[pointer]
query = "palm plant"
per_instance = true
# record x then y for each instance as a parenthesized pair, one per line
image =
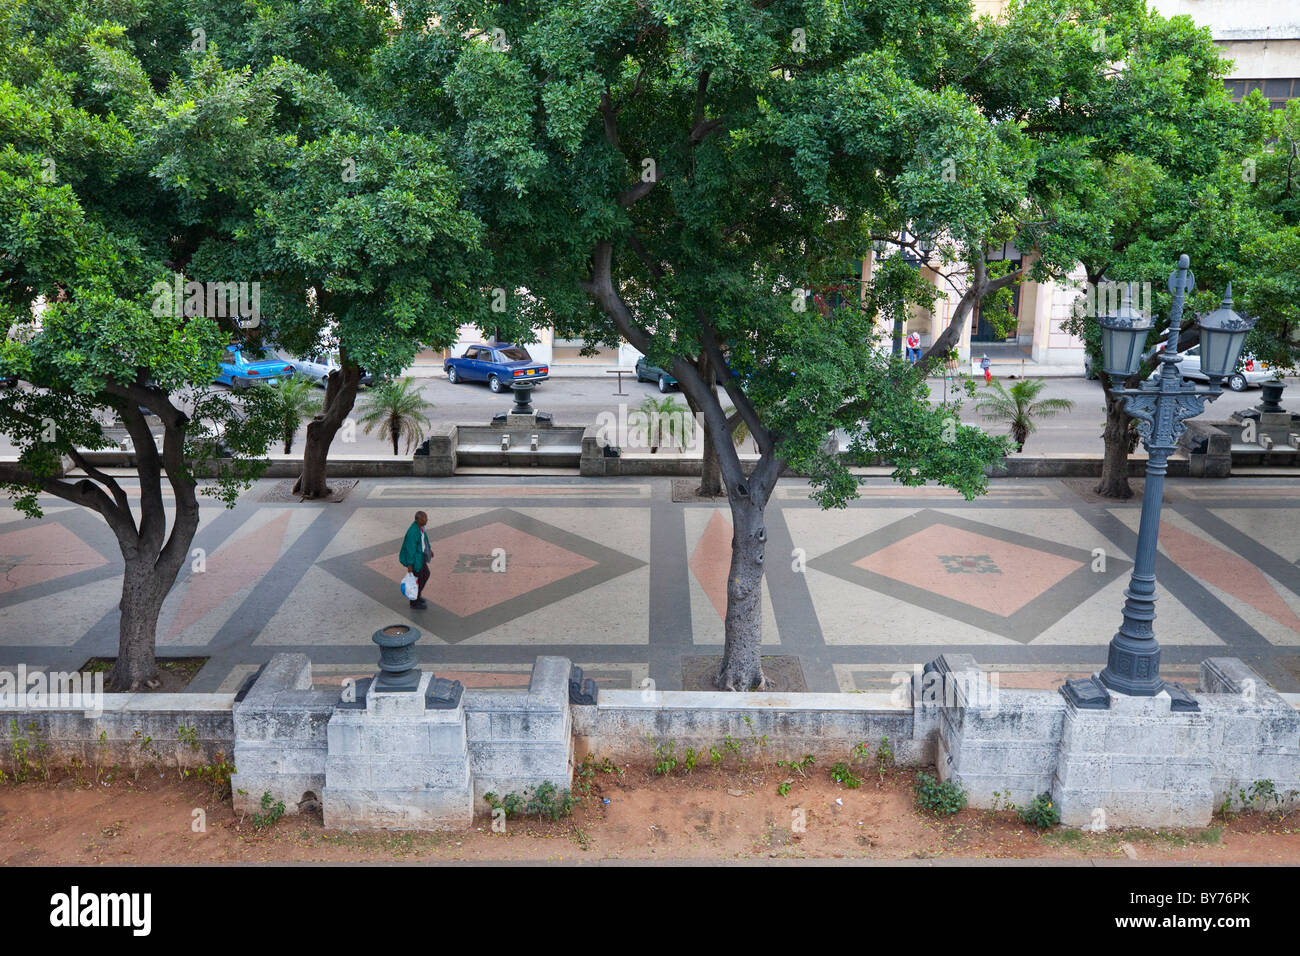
(397, 409)
(298, 401)
(1016, 407)
(667, 419)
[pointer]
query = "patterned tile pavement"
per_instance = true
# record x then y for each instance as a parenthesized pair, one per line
(615, 575)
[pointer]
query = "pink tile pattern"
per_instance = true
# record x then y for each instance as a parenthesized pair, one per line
(461, 578)
(978, 570)
(41, 553)
(1227, 571)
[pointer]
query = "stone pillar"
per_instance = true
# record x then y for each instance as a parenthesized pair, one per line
(521, 741)
(399, 760)
(996, 746)
(280, 737)
(1136, 764)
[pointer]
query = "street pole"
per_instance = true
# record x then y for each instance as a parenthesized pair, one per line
(1161, 408)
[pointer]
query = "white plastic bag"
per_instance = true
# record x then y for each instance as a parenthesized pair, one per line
(410, 587)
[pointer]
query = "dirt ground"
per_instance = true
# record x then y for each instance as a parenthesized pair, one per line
(709, 814)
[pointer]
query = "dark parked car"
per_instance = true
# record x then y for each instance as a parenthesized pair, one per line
(645, 372)
(499, 365)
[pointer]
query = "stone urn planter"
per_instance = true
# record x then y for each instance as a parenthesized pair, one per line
(1272, 390)
(397, 660)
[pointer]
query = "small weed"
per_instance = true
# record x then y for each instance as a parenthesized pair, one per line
(690, 760)
(216, 773)
(798, 766)
(843, 774)
(512, 803)
(272, 810)
(188, 734)
(545, 800)
(665, 757)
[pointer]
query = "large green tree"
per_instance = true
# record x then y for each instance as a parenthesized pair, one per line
(87, 238)
(353, 226)
(679, 175)
(1167, 164)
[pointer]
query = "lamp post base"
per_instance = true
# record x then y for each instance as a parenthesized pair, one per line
(1090, 693)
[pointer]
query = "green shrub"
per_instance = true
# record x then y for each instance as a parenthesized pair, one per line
(1041, 813)
(549, 801)
(942, 798)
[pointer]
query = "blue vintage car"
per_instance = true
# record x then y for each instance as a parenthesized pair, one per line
(242, 366)
(499, 365)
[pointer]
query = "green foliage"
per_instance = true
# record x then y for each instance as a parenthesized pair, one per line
(298, 400)
(1041, 812)
(843, 774)
(512, 804)
(798, 766)
(941, 798)
(1262, 796)
(667, 420)
(28, 752)
(397, 409)
(217, 774)
(664, 758)
(272, 810)
(1016, 406)
(690, 760)
(884, 757)
(545, 800)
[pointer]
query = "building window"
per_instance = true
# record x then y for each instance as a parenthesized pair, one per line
(1276, 91)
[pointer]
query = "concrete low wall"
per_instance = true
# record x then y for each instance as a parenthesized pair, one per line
(1139, 762)
(133, 731)
(625, 725)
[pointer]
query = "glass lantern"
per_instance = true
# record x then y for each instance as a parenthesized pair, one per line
(1223, 333)
(1123, 335)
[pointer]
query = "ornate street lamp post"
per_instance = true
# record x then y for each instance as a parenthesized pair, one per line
(1161, 406)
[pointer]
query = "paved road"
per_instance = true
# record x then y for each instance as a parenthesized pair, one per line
(579, 401)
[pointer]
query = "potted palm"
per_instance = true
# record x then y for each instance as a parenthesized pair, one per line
(397, 409)
(298, 402)
(1019, 406)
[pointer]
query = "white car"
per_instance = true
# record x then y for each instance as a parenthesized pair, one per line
(318, 365)
(1250, 371)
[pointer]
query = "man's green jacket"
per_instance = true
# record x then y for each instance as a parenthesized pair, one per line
(412, 553)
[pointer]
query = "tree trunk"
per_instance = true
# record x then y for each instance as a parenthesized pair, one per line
(340, 396)
(1118, 439)
(710, 469)
(742, 667)
(152, 556)
(143, 593)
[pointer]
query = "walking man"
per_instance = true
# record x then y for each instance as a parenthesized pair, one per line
(913, 348)
(988, 369)
(415, 555)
